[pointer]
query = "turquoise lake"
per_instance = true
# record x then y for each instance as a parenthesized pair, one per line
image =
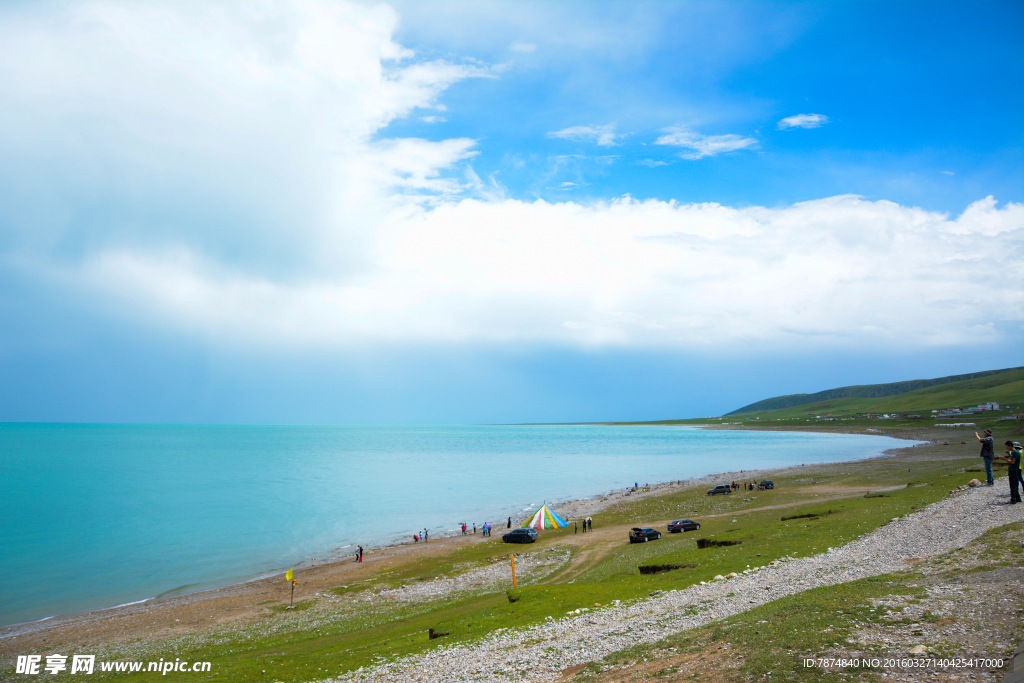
(101, 515)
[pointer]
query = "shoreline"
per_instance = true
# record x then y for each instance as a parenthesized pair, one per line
(336, 570)
(576, 486)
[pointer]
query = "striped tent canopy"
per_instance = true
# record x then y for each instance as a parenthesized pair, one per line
(545, 518)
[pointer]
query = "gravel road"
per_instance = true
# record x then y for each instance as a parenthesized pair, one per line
(540, 653)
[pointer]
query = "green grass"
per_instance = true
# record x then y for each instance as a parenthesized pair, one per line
(308, 643)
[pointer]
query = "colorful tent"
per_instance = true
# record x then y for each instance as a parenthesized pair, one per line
(545, 518)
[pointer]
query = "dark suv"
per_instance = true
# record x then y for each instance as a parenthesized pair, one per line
(643, 535)
(766, 484)
(721, 488)
(683, 525)
(520, 536)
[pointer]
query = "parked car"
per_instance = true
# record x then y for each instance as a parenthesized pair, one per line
(766, 484)
(637, 535)
(683, 525)
(721, 488)
(520, 536)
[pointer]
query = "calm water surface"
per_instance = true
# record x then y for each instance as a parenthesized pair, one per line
(100, 515)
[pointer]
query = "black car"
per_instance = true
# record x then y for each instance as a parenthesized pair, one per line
(721, 488)
(766, 484)
(683, 525)
(520, 536)
(643, 535)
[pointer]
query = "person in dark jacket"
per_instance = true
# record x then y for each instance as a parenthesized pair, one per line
(1013, 458)
(987, 453)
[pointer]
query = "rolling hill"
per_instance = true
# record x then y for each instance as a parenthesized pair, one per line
(915, 396)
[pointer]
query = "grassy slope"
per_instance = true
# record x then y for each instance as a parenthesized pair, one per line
(1004, 388)
(862, 391)
(296, 647)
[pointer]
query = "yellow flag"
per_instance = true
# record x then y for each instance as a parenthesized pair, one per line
(288, 575)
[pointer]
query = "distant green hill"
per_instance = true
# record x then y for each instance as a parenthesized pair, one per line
(1003, 386)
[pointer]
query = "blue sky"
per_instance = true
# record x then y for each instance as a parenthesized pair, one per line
(500, 212)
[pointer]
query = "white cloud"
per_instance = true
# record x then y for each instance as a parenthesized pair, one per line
(271, 213)
(947, 172)
(264, 114)
(803, 121)
(653, 163)
(703, 145)
(836, 271)
(520, 46)
(604, 136)
(433, 119)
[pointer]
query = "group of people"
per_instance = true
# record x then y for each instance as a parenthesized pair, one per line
(1012, 458)
(485, 528)
(746, 486)
(359, 553)
(421, 536)
(587, 523)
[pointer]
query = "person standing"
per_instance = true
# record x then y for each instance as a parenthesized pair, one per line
(509, 522)
(590, 523)
(1020, 476)
(574, 527)
(987, 453)
(359, 553)
(474, 528)
(1013, 471)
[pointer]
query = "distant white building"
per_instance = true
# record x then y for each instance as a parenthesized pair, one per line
(988, 406)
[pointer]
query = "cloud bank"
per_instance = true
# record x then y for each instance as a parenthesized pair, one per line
(225, 173)
(840, 270)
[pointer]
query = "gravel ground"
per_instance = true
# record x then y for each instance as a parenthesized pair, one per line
(540, 653)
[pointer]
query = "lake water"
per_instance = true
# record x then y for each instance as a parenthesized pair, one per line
(100, 515)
